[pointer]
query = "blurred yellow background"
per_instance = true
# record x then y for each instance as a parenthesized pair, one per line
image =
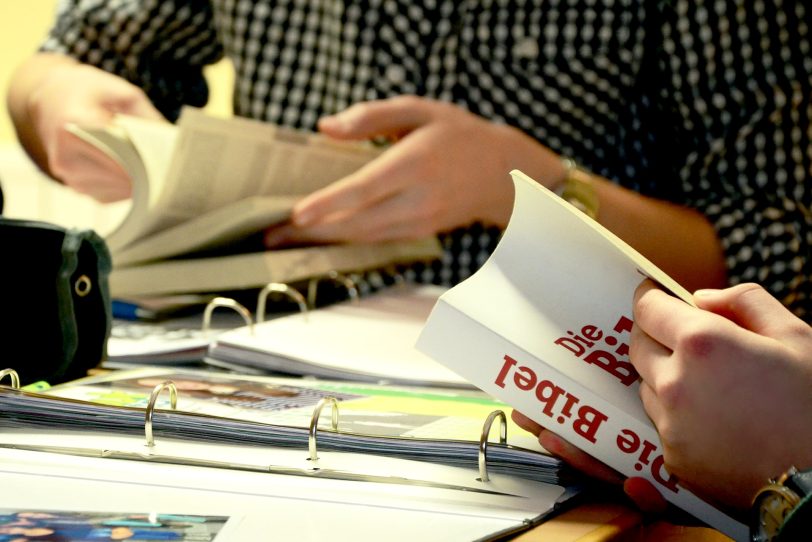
(22, 27)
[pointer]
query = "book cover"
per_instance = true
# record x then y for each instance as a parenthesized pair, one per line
(544, 326)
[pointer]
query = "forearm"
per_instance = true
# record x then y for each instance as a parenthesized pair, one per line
(24, 84)
(679, 240)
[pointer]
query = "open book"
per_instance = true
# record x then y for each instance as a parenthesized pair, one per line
(208, 182)
(544, 326)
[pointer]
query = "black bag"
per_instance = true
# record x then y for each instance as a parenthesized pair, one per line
(55, 311)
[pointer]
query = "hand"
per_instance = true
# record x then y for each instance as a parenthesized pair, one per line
(84, 95)
(727, 385)
(447, 168)
(639, 490)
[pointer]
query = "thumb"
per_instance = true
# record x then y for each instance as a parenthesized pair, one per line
(748, 305)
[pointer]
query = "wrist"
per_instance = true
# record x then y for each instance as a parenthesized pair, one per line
(782, 509)
(577, 188)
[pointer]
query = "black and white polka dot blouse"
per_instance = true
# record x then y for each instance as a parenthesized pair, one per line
(702, 102)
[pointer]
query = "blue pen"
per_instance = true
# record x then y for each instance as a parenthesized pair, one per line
(125, 310)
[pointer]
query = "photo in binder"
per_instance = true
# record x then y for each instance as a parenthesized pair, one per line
(544, 326)
(205, 189)
(66, 525)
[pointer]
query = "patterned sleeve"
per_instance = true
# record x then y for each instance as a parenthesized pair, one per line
(739, 80)
(158, 45)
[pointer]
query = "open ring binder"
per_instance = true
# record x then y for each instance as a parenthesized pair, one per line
(279, 287)
(228, 303)
(335, 276)
(483, 441)
(156, 391)
(314, 424)
(13, 376)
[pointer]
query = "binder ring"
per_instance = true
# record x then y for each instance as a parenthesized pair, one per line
(335, 276)
(156, 391)
(229, 303)
(483, 441)
(82, 286)
(314, 424)
(13, 376)
(282, 288)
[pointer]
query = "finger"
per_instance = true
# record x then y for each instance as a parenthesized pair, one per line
(101, 189)
(88, 170)
(279, 235)
(660, 315)
(390, 117)
(750, 306)
(577, 458)
(646, 355)
(382, 178)
(142, 107)
(651, 403)
(644, 495)
(525, 423)
(380, 223)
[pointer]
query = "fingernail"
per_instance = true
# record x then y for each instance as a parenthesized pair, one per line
(706, 292)
(302, 218)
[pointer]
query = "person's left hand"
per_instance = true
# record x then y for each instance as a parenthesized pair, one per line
(572, 455)
(642, 492)
(447, 168)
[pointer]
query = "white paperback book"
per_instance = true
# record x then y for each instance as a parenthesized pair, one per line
(544, 326)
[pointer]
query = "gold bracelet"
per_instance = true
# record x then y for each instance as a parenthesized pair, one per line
(578, 189)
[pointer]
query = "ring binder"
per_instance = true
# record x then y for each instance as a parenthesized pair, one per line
(314, 424)
(279, 287)
(156, 391)
(83, 286)
(228, 303)
(13, 376)
(335, 276)
(483, 441)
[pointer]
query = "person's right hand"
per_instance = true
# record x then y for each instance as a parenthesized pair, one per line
(727, 384)
(84, 95)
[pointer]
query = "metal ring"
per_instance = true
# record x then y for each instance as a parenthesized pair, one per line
(229, 303)
(279, 287)
(314, 424)
(156, 391)
(83, 286)
(13, 376)
(335, 276)
(483, 441)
